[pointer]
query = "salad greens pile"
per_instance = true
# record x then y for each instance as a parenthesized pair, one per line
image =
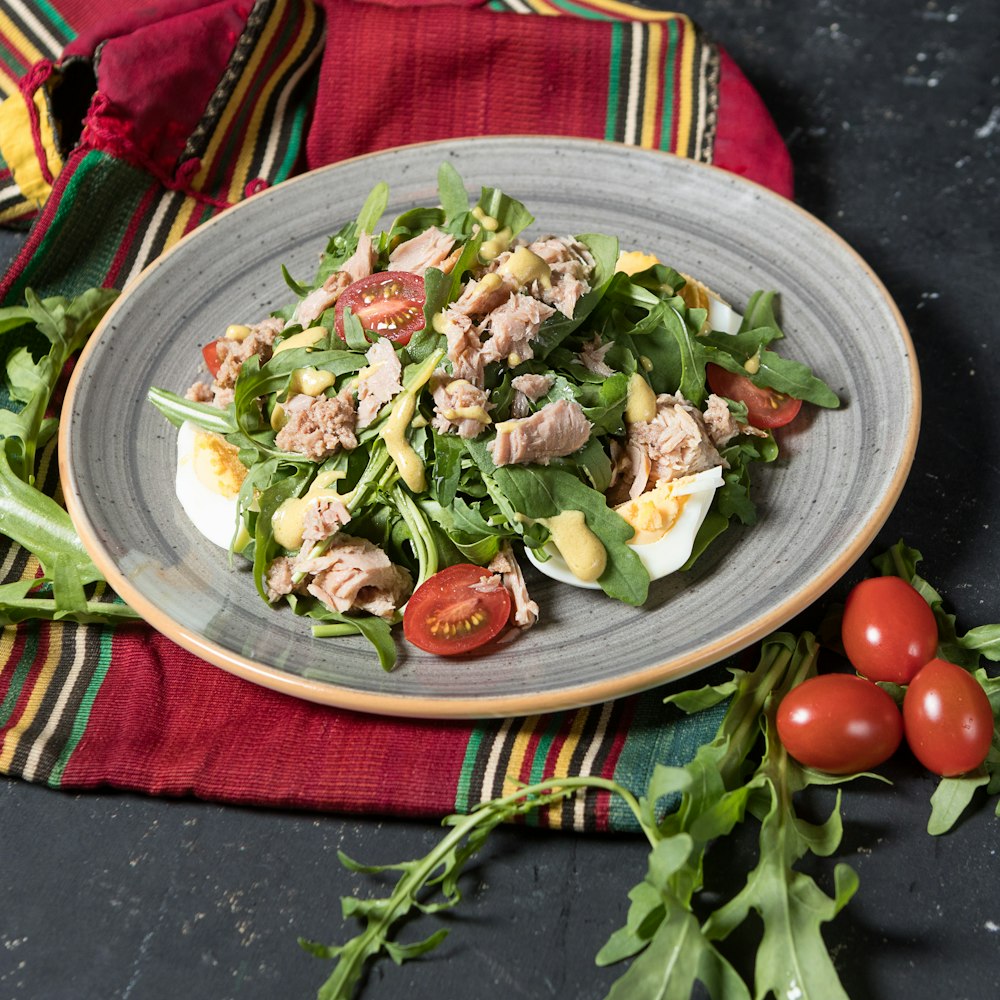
(674, 933)
(470, 506)
(39, 338)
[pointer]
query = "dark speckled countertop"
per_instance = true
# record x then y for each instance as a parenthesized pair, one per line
(891, 109)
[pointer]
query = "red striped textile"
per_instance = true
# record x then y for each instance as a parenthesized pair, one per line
(253, 91)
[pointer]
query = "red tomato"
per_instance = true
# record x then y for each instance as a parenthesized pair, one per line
(839, 723)
(449, 616)
(210, 352)
(888, 630)
(389, 303)
(765, 407)
(948, 719)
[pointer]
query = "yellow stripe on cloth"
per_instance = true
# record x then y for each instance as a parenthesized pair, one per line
(25, 49)
(564, 760)
(241, 173)
(685, 93)
(654, 88)
(17, 147)
(517, 753)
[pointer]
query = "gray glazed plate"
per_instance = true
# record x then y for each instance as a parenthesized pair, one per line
(820, 505)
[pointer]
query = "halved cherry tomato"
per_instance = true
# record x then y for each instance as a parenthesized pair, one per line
(766, 408)
(948, 719)
(888, 630)
(389, 303)
(448, 615)
(210, 352)
(839, 723)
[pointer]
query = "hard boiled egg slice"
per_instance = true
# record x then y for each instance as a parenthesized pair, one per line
(666, 521)
(208, 481)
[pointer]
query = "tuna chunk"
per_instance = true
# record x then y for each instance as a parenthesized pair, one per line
(459, 405)
(379, 382)
(676, 441)
(465, 350)
(355, 575)
(430, 249)
(259, 341)
(571, 266)
(324, 518)
(592, 357)
(504, 563)
(557, 429)
(320, 299)
(278, 579)
(513, 326)
(528, 388)
(722, 425)
(483, 296)
(362, 262)
(319, 427)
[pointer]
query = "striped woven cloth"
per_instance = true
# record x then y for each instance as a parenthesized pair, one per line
(112, 152)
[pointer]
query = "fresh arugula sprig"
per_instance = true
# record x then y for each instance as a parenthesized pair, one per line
(27, 516)
(670, 946)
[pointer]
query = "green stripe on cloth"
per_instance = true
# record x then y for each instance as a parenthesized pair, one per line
(74, 255)
(55, 19)
(462, 792)
(650, 742)
(24, 664)
(667, 76)
(82, 716)
(614, 73)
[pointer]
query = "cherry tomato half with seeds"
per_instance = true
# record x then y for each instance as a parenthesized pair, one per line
(948, 719)
(451, 613)
(888, 630)
(839, 723)
(210, 352)
(389, 303)
(766, 408)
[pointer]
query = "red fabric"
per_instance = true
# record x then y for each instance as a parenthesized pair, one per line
(746, 139)
(220, 738)
(147, 105)
(508, 79)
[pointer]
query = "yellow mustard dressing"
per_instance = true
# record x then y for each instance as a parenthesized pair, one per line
(305, 338)
(640, 401)
(309, 381)
(580, 548)
(288, 521)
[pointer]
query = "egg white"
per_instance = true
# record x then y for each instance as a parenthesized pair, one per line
(211, 510)
(664, 556)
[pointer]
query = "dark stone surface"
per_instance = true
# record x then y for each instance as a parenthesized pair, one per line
(892, 113)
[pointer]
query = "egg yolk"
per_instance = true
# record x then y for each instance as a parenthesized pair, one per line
(217, 464)
(652, 514)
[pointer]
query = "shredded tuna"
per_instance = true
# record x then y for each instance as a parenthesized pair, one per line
(259, 341)
(722, 425)
(200, 392)
(513, 326)
(379, 382)
(483, 296)
(459, 405)
(558, 428)
(504, 563)
(465, 350)
(528, 388)
(319, 428)
(362, 262)
(430, 249)
(324, 518)
(641, 467)
(592, 357)
(355, 575)
(488, 584)
(278, 579)
(676, 441)
(571, 266)
(320, 299)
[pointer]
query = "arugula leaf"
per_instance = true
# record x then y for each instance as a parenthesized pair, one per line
(451, 192)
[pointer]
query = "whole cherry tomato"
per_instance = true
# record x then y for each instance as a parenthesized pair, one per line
(839, 723)
(888, 630)
(947, 718)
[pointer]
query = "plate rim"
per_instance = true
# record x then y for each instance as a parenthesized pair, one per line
(442, 707)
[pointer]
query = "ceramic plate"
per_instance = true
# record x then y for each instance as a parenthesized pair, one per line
(820, 504)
